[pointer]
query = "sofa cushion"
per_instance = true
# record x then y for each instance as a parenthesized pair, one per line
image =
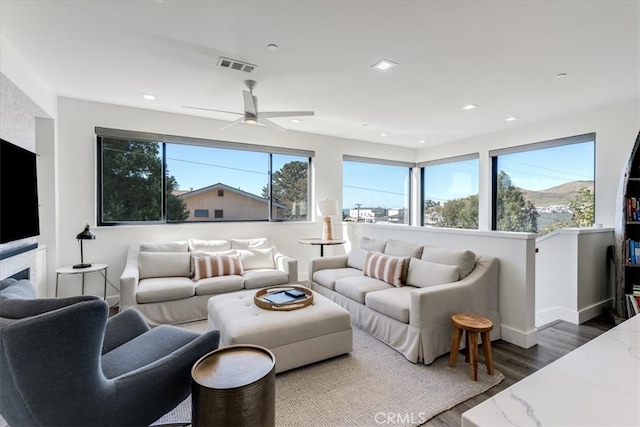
(259, 243)
(328, 277)
(356, 288)
(425, 273)
(372, 244)
(219, 285)
(181, 246)
(259, 278)
(464, 260)
(164, 264)
(355, 258)
(384, 267)
(217, 265)
(159, 289)
(403, 249)
(393, 302)
(196, 245)
(256, 258)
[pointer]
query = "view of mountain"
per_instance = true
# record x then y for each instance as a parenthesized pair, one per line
(558, 195)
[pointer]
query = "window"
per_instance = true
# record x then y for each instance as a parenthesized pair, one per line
(151, 178)
(544, 186)
(450, 192)
(376, 190)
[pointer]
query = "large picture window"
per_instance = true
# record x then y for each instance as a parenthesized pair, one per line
(149, 178)
(450, 192)
(375, 190)
(544, 186)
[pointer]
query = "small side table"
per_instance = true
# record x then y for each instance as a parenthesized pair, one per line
(234, 385)
(472, 325)
(95, 268)
(321, 242)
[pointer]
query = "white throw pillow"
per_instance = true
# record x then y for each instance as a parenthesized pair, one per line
(355, 259)
(259, 243)
(196, 245)
(164, 264)
(424, 273)
(464, 260)
(372, 244)
(256, 258)
(401, 248)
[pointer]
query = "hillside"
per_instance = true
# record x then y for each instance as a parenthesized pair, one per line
(556, 195)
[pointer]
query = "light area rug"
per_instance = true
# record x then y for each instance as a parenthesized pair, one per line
(373, 385)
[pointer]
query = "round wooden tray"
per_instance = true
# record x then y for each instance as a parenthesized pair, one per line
(259, 300)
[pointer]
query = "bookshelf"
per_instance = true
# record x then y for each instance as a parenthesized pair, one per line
(630, 242)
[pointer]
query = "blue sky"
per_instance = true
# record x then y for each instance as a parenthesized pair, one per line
(373, 185)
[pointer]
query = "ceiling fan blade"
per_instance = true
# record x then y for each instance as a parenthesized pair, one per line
(250, 103)
(235, 122)
(267, 114)
(271, 124)
(210, 109)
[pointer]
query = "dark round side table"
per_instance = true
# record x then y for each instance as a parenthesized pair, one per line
(234, 385)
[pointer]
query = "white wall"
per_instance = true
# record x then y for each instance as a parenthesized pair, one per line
(77, 183)
(573, 275)
(616, 129)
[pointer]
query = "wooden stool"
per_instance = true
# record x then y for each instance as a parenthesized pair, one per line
(473, 325)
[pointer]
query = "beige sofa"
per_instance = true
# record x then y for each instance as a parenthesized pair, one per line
(171, 282)
(431, 284)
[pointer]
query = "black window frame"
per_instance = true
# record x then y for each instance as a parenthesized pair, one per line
(163, 139)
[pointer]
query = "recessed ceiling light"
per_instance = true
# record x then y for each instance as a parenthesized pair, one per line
(383, 65)
(383, 134)
(148, 97)
(561, 75)
(512, 118)
(272, 47)
(296, 121)
(422, 141)
(469, 107)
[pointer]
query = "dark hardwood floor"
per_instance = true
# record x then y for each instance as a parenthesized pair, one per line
(554, 341)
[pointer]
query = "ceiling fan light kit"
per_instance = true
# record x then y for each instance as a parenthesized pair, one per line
(251, 115)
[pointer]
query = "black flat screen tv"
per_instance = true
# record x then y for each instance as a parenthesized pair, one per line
(19, 217)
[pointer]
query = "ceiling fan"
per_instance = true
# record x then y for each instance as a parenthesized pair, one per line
(251, 115)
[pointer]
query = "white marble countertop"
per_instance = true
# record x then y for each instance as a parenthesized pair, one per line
(597, 384)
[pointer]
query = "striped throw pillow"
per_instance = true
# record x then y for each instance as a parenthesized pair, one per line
(384, 267)
(216, 265)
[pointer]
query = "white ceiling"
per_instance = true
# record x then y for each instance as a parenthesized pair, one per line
(501, 55)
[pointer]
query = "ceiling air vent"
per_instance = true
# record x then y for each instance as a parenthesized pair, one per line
(234, 64)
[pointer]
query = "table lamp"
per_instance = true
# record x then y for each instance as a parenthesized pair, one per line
(85, 234)
(328, 208)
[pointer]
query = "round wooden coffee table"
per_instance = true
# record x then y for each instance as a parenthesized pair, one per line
(472, 325)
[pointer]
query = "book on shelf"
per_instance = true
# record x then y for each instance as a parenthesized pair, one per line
(633, 304)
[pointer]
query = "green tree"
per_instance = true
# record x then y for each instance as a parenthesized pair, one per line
(289, 188)
(582, 206)
(460, 213)
(132, 183)
(514, 211)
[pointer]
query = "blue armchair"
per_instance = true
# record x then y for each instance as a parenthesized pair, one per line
(63, 362)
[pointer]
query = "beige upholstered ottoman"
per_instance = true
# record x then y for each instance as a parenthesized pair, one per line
(297, 337)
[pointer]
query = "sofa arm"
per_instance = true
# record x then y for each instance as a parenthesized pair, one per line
(477, 293)
(324, 263)
(129, 279)
(288, 265)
